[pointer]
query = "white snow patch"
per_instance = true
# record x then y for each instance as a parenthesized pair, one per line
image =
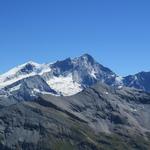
(106, 93)
(93, 73)
(64, 85)
(15, 88)
(135, 77)
(133, 110)
(36, 90)
(119, 79)
(112, 75)
(43, 92)
(120, 87)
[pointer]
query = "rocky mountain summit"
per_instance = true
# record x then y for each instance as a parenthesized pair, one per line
(66, 77)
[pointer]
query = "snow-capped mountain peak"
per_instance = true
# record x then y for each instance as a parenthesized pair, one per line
(71, 76)
(29, 66)
(68, 76)
(22, 71)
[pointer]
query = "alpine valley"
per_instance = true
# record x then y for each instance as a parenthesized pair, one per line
(74, 104)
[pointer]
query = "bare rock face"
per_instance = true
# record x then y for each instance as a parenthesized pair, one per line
(140, 81)
(97, 118)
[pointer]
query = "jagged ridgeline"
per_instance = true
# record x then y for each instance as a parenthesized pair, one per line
(71, 76)
(75, 104)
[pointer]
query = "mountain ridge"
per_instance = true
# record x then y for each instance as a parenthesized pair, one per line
(77, 73)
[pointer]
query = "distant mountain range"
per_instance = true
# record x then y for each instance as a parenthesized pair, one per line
(70, 76)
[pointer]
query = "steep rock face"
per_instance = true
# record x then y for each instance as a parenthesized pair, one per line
(77, 74)
(98, 118)
(106, 108)
(88, 71)
(140, 81)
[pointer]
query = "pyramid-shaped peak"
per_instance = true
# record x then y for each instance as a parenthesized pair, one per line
(87, 56)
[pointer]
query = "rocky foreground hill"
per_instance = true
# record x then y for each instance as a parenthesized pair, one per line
(98, 118)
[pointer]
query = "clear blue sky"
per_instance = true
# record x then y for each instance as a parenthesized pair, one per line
(115, 32)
